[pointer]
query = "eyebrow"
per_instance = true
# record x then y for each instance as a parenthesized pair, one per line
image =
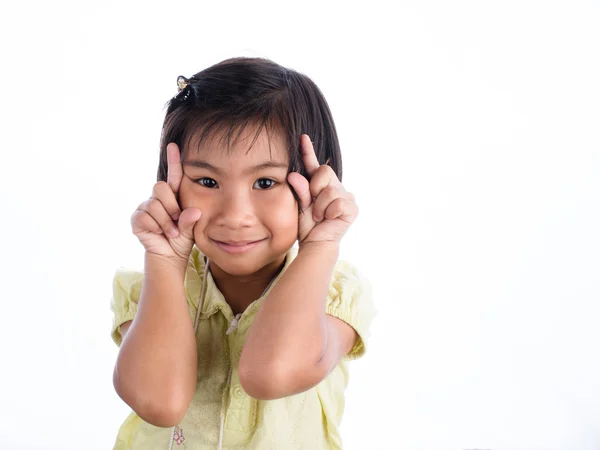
(265, 165)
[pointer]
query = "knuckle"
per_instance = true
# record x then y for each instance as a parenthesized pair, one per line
(142, 206)
(141, 221)
(137, 218)
(330, 191)
(160, 188)
(151, 225)
(134, 217)
(155, 205)
(147, 204)
(154, 208)
(326, 170)
(167, 224)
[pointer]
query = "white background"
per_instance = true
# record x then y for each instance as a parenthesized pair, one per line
(470, 138)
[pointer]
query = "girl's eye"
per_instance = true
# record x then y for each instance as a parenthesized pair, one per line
(200, 181)
(209, 183)
(267, 186)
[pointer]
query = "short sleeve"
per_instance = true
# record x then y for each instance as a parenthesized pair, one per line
(350, 299)
(127, 285)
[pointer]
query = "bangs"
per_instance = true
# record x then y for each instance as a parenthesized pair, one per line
(240, 97)
(227, 134)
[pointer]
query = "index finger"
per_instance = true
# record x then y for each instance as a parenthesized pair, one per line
(308, 155)
(174, 169)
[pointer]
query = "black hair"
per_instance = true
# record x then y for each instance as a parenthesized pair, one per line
(242, 91)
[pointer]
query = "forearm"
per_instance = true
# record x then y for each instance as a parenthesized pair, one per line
(156, 368)
(289, 331)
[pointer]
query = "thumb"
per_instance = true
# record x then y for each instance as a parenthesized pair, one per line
(187, 221)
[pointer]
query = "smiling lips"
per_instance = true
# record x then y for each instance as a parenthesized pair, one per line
(237, 246)
(237, 243)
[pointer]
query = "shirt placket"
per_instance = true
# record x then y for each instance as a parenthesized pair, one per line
(241, 412)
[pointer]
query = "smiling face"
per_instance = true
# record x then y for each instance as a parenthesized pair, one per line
(243, 196)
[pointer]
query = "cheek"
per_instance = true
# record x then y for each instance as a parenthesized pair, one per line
(189, 194)
(283, 211)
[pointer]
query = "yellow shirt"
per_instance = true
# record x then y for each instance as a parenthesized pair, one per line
(309, 420)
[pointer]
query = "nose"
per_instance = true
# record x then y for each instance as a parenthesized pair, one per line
(236, 211)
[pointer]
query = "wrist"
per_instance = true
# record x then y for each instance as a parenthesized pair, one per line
(320, 247)
(170, 265)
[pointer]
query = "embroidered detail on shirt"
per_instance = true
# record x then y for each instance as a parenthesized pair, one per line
(178, 437)
(234, 323)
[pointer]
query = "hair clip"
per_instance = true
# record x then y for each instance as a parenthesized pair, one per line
(182, 83)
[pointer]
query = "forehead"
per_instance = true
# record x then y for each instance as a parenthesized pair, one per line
(242, 149)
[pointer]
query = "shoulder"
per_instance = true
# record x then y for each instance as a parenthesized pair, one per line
(349, 287)
(347, 275)
(127, 282)
(125, 279)
(127, 287)
(350, 299)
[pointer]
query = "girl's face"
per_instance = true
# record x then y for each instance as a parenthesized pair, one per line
(243, 195)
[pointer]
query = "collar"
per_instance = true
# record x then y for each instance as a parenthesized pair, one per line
(214, 300)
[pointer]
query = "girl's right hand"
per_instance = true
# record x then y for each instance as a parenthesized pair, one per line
(159, 224)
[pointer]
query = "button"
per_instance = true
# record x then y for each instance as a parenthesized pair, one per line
(238, 392)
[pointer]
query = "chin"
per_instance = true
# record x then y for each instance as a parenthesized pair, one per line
(244, 264)
(239, 269)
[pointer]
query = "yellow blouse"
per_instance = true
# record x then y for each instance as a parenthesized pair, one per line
(309, 420)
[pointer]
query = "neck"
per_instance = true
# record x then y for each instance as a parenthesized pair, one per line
(239, 292)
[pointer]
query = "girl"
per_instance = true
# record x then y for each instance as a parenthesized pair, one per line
(232, 337)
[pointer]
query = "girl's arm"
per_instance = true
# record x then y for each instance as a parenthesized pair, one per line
(123, 328)
(156, 368)
(293, 344)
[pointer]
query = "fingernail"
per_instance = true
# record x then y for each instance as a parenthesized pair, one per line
(175, 216)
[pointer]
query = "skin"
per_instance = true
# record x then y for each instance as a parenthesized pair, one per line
(292, 344)
(199, 205)
(238, 205)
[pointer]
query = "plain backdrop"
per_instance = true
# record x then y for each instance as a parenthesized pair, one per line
(470, 138)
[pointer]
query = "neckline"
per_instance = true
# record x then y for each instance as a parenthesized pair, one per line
(213, 297)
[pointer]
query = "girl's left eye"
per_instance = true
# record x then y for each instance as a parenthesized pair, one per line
(273, 182)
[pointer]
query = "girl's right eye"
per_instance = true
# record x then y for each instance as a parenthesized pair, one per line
(200, 182)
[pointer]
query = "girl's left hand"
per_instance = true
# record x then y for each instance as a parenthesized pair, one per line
(327, 208)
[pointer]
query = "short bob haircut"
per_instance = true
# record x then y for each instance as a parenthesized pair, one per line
(225, 98)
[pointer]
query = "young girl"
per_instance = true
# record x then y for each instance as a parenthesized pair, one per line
(233, 337)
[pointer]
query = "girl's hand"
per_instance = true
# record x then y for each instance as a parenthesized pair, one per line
(160, 225)
(328, 209)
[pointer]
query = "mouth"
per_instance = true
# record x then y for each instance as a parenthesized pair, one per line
(238, 243)
(237, 247)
